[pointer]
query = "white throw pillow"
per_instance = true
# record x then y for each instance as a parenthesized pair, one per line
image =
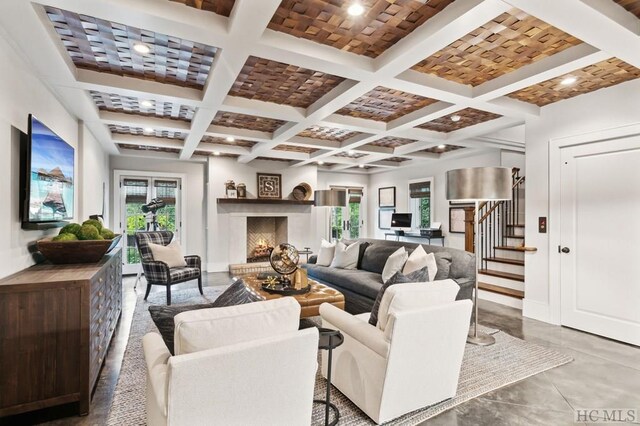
(346, 257)
(394, 264)
(170, 254)
(418, 260)
(325, 256)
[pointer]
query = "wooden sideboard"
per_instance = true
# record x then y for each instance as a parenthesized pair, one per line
(56, 323)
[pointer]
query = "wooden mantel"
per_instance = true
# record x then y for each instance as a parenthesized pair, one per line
(264, 201)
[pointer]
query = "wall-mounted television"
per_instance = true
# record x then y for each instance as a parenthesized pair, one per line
(49, 180)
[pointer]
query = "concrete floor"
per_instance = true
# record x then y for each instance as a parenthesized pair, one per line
(605, 374)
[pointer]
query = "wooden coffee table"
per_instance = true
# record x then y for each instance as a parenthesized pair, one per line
(310, 302)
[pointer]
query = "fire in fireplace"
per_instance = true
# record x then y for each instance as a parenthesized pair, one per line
(263, 233)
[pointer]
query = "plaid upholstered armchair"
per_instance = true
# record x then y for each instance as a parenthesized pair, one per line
(159, 273)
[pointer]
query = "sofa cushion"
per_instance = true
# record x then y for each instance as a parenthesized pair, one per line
(443, 260)
(327, 250)
(346, 257)
(163, 316)
(419, 276)
(361, 282)
(363, 248)
(420, 259)
(214, 328)
(394, 264)
(375, 257)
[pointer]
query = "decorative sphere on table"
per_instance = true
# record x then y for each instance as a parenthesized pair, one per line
(284, 260)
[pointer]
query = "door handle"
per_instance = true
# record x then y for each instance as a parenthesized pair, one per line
(564, 249)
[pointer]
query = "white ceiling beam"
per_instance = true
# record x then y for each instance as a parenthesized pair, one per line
(247, 23)
(313, 143)
(224, 149)
(147, 141)
(602, 24)
(132, 120)
(262, 109)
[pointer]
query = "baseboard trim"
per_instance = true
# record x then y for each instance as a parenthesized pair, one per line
(536, 310)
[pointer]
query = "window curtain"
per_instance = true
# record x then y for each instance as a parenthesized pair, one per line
(135, 190)
(420, 189)
(166, 190)
(355, 195)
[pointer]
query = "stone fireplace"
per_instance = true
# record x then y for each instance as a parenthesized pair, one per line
(263, 233)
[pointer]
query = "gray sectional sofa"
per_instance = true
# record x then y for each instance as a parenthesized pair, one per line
(360, 286)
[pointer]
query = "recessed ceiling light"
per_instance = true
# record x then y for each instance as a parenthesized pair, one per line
(455, 118)
(141, 48)
(568, 80)
(361, 166)
(148, 130)
(230, 139)
(355, 9)
(146, 104)
(351, 153)
(442, 146)
(216, 153)
(320, 163)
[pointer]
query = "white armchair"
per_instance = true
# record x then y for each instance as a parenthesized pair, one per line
(233, 366)
(411, 359)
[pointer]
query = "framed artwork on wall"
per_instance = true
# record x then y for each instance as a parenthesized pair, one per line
(269, 185)
(456, 220)
(387, 197)
(384, 218)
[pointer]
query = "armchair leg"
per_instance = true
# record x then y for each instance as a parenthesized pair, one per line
(168, 295)
(200, 284)
(146, 293)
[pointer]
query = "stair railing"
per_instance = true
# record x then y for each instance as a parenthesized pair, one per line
(497, 219)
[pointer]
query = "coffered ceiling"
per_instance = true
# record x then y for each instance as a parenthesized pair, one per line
(304, 82)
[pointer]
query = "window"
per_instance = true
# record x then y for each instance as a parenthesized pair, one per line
(420, 203)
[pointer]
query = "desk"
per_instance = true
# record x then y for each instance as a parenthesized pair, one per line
(410, 235)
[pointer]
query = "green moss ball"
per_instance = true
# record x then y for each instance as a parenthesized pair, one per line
(72, 228)
(94, 222)
(107, 234)
(88, 232)
(65, 237)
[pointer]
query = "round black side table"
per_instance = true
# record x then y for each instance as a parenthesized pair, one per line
(329, 340)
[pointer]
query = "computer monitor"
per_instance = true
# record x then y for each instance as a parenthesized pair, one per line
(400, 222)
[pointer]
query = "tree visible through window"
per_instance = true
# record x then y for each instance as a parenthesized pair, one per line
(420, 203)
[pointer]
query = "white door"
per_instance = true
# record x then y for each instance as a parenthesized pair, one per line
(600, 238)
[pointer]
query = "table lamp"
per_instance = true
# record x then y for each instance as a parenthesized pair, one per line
(330, 198)
(479, 184)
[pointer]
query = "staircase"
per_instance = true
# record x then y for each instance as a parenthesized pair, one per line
(502, 249)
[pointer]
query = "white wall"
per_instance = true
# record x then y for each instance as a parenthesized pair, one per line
(193, 194)
(23, 93)
(440, 206)
(604, 109)
(224, 169)
(93, 168)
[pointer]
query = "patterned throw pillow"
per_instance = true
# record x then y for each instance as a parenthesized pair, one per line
(421, 275)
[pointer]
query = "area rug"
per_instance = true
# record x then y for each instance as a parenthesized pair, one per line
(483, 369)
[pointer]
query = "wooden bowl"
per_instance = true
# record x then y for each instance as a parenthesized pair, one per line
(88, 251)
(302, 192)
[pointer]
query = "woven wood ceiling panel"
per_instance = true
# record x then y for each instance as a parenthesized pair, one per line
(273, 159)
(222, 141)
(104, 46)
(447, 148)
(468, 117)
(272, 81)
(597, 76)
(328, 133)
(294, 148)
(508, 42)
(383, 24)
(249, 122)
(211, 154)
(148, 148)
(632, 6)
(397, 159)
(131, 105)
(139, 131)
(352, 155)
(221, 7)
(382, 104)
(392, 142)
